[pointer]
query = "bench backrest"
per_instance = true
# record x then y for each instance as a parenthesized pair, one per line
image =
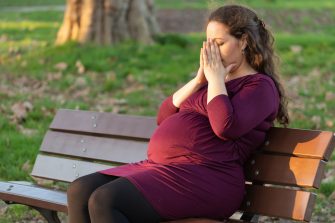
(81, 142)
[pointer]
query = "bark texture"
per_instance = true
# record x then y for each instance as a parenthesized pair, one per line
(108, 21)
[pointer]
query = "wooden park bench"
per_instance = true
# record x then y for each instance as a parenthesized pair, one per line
(279, 176)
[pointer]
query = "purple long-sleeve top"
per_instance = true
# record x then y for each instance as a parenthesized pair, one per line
(196, 155)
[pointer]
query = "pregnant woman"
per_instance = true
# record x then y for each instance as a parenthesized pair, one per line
(206, 131)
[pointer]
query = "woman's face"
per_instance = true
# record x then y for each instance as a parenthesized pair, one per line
(230, 47)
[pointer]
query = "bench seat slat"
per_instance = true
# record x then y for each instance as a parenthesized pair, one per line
(279, 202)
(34, 196)
(284, 170)
(104, 123)
(299, 142)
(93, 147)
(64, 169)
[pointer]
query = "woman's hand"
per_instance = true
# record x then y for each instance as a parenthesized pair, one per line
(213, 66)
(200, 78)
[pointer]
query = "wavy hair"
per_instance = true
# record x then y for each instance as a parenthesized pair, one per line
(259, 52)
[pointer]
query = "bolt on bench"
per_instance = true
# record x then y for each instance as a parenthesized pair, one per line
(278, 177)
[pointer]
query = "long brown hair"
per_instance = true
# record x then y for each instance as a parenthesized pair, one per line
(259, 52)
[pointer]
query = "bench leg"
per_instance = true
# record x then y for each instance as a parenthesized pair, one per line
(249, 217)
(50, 216)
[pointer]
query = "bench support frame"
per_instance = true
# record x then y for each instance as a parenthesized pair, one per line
(249, 217)
(49, 215)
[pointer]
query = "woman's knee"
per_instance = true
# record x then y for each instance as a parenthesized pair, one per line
(81, 189)
(76, 188)
(99, 201)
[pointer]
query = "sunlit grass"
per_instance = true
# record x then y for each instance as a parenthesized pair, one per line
(22, 3)
(27, 25)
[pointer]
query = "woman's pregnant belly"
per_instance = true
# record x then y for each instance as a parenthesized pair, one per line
(176, 138)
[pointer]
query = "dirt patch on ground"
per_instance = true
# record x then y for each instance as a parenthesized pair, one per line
(182, 21)
(289, 20)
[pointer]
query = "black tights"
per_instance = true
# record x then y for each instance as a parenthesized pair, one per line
(100, 198)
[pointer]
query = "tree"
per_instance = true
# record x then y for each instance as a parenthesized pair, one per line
(108, 21)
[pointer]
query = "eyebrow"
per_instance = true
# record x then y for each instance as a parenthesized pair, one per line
(219, 39)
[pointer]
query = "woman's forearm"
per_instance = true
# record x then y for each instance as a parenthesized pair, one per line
(215, 88)
(183, 93)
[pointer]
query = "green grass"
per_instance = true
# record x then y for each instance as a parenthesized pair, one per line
(327, 188)
(132, 78)
(265, 4)
(11, 3)
(199, 4)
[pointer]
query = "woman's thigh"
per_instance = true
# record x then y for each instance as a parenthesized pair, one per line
(123, 196)
(82, 188)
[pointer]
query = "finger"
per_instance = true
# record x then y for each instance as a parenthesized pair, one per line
(213, 51)
(204, 54)
(201, 55)
(208, 52)
(217, 52)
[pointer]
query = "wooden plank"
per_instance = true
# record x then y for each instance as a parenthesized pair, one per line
(331, 148)
(33, 196)
(285, 170)
(279, 202)
(64, 169)
(104, 123)
(299, 142)
(93, 147)
(199, 220)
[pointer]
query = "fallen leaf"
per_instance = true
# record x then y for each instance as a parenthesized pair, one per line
(54, 76)
(80, 82)
(27, 132)
(3, 208)
(332, 196)
(26, 166)
(44, 182)
(111, 76)
(296, 48)
(321, 105)
(24, 63)
(130, 78)
(4, 38)
(80, 67)
(81, 93)
(329, 123)
(41, 61)
(317, 121)
(330, 96)
(315, 72)
(120, 101)
(61, 66)
(20, 111)
(28, 105)
(294, 81)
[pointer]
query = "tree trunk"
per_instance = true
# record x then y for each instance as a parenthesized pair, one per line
(108, 21)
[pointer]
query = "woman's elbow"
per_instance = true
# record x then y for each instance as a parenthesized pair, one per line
(159, 120)
(226, 133)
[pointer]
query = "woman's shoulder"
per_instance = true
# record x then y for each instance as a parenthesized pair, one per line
(260, 81)
(260, 78)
